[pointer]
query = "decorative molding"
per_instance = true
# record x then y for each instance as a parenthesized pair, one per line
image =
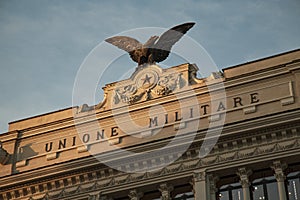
(280, 144)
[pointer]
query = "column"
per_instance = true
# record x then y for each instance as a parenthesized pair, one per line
(244, 174)
(200, 186)
(212, 186)
(135, 195)
(165, 190)
(279, 168)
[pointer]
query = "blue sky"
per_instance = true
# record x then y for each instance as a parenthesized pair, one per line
(43, 43)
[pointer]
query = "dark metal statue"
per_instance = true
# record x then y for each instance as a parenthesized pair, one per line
(156, 49)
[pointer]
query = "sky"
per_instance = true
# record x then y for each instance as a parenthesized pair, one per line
(43, 43)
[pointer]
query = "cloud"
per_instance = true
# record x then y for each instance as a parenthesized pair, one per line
(43, 43)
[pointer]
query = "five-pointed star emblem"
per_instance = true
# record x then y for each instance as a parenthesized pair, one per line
(146, 79)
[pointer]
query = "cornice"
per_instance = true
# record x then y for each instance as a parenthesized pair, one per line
(263, 75)
(214, 161)
(199, 89)
(179, 170)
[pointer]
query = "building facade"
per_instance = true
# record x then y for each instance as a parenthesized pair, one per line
(166, 134)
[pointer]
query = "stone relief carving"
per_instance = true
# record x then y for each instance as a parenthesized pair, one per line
(146, 88)
(149, 82)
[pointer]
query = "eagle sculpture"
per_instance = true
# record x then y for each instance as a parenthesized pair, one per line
(156, 49)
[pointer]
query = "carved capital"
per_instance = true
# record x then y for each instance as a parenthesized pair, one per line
(199, 176)
(279, 168)
(165, 190)
(134, 195)
(244, 174)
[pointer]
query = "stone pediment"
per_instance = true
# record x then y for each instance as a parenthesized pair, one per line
(146, 83)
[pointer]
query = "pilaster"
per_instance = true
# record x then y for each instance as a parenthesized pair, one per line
(201, 186)
(212, 186)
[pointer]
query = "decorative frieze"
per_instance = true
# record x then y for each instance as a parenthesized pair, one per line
(230, 153)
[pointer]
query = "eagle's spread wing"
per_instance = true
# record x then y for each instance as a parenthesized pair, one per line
(127, 44)
(161, 49)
